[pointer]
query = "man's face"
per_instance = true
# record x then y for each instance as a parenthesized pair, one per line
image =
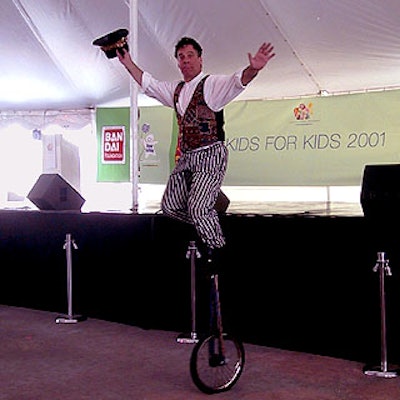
(189, 62)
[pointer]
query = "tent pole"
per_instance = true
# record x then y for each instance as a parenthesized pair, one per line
(328, 200)
(133, 40)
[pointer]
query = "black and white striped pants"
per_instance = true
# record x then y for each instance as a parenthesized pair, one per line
(192, 190)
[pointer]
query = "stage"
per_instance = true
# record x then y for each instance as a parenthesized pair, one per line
(296, 281)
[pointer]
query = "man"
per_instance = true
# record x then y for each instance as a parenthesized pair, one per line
(198, 100)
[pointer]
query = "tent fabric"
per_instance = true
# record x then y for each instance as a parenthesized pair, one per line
(333, 47)
(40, 119)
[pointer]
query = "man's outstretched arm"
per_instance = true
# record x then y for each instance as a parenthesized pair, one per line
(133, 69)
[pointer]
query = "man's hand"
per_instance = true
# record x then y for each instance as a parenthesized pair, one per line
(261, 58)
(124, 57)
(258, 62)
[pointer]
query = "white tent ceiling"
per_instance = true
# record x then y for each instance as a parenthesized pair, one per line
(48, 62)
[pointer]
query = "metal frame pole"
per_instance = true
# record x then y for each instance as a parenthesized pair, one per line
(382, 266)
(134, 90)
(69, 318)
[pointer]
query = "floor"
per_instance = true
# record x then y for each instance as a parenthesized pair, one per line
(100, 360)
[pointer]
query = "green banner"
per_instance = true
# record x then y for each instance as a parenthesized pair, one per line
(321, 141)
(157, 129)
(113, 144)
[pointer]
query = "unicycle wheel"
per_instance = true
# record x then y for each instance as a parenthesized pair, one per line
(212, 372)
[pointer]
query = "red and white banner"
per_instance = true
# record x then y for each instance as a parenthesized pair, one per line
(113, 145)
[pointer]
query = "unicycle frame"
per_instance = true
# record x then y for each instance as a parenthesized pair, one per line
(216, 327)
(217, 360)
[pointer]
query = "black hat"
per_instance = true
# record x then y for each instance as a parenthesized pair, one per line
(112, 42)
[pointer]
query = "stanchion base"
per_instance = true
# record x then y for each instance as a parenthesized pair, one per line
(187, 338)
(70, 319)
(379, 372)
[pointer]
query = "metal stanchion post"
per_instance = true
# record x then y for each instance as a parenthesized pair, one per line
(70, 318)
(382, 266)
(192, 253)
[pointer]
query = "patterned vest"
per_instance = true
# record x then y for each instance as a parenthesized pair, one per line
(199, 126)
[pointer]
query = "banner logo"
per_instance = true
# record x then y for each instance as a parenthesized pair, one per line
(303, 112)
(113, 145)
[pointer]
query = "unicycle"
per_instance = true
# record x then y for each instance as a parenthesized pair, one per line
(217, 359)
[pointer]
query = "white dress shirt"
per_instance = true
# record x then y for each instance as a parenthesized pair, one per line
(219, 90)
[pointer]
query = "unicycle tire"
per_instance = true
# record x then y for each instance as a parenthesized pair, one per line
(212, 376)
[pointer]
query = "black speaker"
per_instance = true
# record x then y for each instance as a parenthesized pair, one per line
(53, 192)
(380, 192)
